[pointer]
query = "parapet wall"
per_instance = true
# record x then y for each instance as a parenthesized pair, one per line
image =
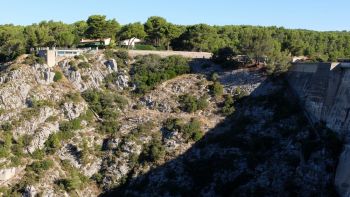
(188, 54)
(324, 91)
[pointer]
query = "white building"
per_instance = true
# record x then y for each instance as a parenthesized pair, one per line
(52, 56)
(96, 42)
(130, 42)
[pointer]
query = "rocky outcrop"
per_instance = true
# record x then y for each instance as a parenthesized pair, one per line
(122, 81)
(29, 126)
(41, 135)
(30, 191)
(112, 65)
(73, 110)
(6, 174)
(14, 96)
(43, 74)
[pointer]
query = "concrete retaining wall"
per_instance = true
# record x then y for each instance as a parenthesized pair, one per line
(192, 55)
(324, 90)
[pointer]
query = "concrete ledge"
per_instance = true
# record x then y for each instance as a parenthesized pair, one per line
(305, 68)
(193, 55)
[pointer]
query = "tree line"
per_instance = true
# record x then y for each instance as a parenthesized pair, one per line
(255, 41)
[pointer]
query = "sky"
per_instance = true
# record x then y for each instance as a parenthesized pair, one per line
(322, 15)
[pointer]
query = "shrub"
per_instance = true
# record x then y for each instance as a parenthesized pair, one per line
(75, 180)
(85, 78)
(71, 183)
(217, 89)
(190, 131)
(36, 170)
(52, 143)
(37, 104)
(98, 177)
(82, 65)
(153, 151)
(188, 103)
(122, 54)
(109, 54)
(6, 143)
(7, 126)
(79, 57)
(110, 126)
(239, 93)
(58, 76)
(214, 77)
(228, 107)
(145, 47)
(72, 125)
(2, 111)
(202, 103)
(40, 166)
(38, 154)
(40, 60)
(32, 59)
(73, 96)
(191, 104)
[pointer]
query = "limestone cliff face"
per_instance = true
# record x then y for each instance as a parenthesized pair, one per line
(324, 91)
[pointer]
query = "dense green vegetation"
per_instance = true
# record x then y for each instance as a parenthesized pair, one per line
(276, 43)
(106, 105)
(149, 71)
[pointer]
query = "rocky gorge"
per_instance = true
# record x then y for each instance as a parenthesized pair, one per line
(105, 124)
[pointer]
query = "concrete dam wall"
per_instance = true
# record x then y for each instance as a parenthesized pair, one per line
(324, 92)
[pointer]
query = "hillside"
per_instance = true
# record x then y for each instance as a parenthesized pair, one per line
(105, 124)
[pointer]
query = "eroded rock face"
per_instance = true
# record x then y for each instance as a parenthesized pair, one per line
(44, 74)
(73, 110)
(93, 167)
(14, 96)
(41, 135)
(29, 126)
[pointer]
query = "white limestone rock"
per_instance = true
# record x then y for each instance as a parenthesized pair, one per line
(7, 174)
